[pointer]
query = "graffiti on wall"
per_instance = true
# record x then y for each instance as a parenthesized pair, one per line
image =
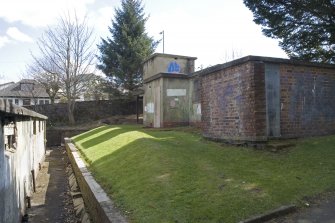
(311, 98)
(149, 107)
(173, 67)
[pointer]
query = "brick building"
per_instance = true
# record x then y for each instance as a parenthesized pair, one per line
(249, 99)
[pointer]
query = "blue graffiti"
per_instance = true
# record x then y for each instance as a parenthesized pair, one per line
(173, 67)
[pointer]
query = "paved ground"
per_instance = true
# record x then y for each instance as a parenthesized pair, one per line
(323, 212)
(52, 201)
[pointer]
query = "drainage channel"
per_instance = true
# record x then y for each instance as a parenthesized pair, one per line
(57, 197)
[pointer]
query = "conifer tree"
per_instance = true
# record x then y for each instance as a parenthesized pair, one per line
(305, 28)
(122, 54)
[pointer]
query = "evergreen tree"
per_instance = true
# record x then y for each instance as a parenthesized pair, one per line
(122, 54)
(305, 28)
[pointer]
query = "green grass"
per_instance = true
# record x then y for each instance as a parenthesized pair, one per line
(176, 176)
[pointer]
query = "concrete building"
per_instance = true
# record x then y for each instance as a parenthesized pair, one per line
(25, 92)
(249, 99)
(22, 150)
(167, 90)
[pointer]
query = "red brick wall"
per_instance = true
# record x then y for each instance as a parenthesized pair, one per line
(233, 103)
(307, 100)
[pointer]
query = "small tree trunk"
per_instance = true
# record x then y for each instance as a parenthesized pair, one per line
(70, 109)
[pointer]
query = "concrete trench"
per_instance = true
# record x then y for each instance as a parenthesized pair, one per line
(57, 198)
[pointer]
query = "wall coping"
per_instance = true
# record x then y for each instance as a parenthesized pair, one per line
(166, 75)
(101, 208)
(169, 56)
(15, 110)
(260, 59)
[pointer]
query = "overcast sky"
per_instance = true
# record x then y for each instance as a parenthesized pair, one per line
(209, 30)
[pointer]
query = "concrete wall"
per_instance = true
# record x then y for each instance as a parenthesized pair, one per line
(195, 101)
(175, 102)
(18, 161)
(167, 90)
(159, 63)
(100, 207)
(152, 114)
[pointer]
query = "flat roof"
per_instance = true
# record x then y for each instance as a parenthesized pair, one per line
(170, 56)
(261, 59)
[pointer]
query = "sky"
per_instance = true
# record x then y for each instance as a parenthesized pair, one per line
(210, 30)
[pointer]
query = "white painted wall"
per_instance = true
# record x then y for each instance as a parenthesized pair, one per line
(15, 166)
(32, 101)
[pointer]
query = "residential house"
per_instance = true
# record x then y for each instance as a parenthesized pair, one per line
(25, 92)
(4, 85)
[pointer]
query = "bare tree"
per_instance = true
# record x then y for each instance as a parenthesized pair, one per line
(50, 81)
(96, 90)
(232, 54)
(66, 56)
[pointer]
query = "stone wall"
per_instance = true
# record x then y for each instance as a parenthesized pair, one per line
(87, 110)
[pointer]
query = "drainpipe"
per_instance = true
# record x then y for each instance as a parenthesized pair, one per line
(28, 202)
(33, 175)
(25, 218)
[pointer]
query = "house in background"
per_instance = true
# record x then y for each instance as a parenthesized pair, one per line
(4, 85)
(25, 92)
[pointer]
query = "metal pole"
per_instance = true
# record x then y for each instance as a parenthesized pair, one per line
(163, 41)
(162, 33)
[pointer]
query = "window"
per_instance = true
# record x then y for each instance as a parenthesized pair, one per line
(27, 86)
(47, 102)
(10, 101)
(34, 127)
(26, 101)
(41, 102)
(10, 135)
(16, 101)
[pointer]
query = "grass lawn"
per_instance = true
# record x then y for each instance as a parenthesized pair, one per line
(176, 176)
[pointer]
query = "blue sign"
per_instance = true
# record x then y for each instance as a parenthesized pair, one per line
(173, 67)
